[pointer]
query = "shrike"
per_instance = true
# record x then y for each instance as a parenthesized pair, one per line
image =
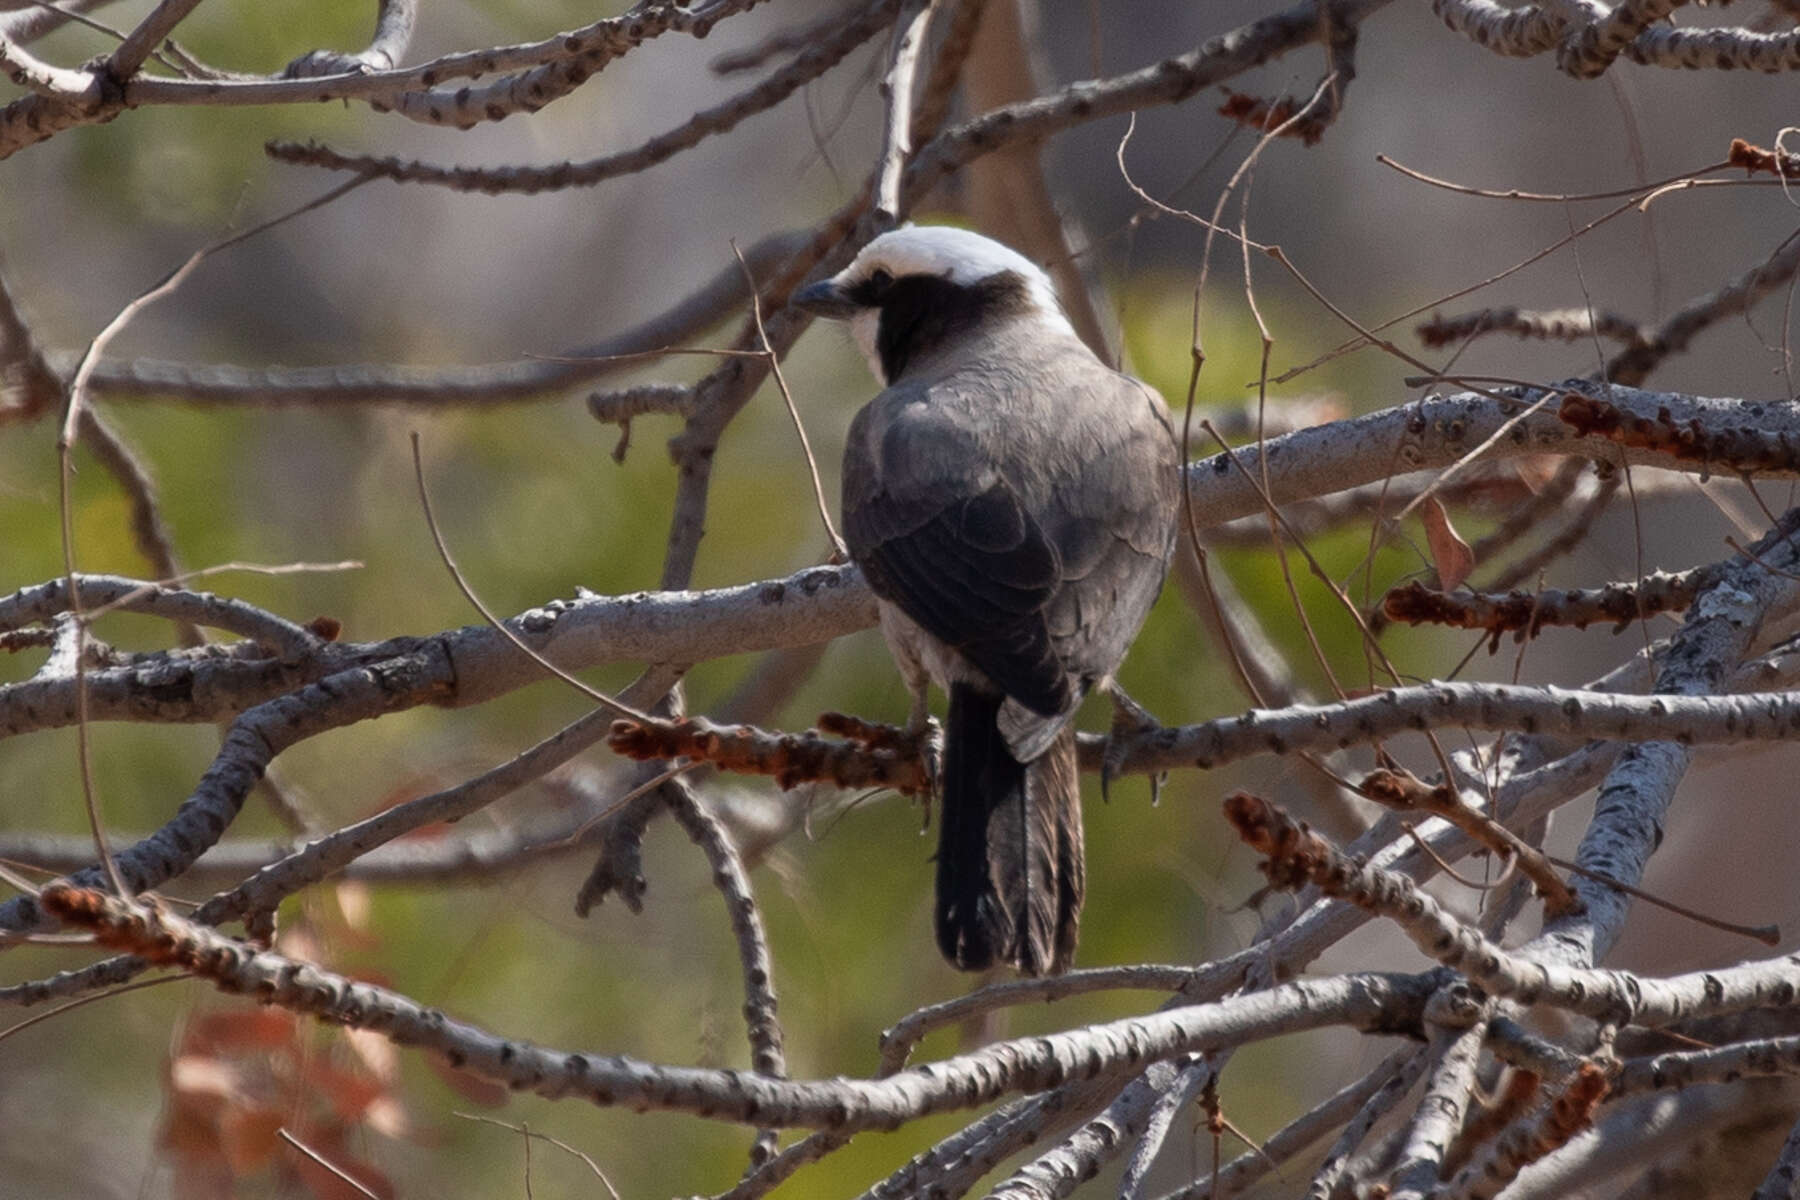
(1011, 500)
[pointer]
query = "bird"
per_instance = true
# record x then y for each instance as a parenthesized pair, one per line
(1011, 501)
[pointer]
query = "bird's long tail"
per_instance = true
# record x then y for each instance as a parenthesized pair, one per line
(1010, 876)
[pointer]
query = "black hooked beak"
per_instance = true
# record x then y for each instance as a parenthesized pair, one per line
(824, 299)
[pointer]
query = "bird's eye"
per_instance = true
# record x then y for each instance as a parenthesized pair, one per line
(880, 281)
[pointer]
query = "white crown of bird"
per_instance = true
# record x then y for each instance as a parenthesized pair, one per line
(959, 255)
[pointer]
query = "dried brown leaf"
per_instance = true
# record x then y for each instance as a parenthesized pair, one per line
(1449, 553)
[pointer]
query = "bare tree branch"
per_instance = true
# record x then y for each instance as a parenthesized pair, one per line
(1530, 1066)
(818, 57)
(950, 1084)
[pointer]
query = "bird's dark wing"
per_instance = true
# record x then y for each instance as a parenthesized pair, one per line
(940, 531)
(1113, 519)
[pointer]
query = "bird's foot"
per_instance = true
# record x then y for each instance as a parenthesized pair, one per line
(928, 743)
(1130, 722)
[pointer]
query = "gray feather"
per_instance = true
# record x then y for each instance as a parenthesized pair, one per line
(1027, 733)
(1089, 456)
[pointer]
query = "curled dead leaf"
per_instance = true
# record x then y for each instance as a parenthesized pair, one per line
(1449, 553)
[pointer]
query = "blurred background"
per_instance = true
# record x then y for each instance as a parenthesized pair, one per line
(535, 507)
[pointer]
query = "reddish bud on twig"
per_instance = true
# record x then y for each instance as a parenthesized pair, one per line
(1524, 614)
(1262, 116)
(886, 760)
(1755, 160)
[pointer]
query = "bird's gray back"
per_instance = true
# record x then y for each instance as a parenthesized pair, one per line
(1087, 454)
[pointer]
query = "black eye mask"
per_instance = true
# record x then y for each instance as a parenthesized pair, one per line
(920, 312)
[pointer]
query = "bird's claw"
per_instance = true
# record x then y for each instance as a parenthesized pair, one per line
(927, 739)
(1130, 722)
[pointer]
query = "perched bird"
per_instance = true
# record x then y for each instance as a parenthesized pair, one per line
(1011, 499)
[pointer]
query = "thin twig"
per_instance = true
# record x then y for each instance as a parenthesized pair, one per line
(787, 397)
(529, 1134)
(897, 85)
(610, 704)
(337, 1172)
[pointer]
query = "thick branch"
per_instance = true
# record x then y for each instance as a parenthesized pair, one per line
(213, 684)
(1585, 715)
(1368, 1002)
(394, 24)
(1525, 614)
(1297, 856)
(251, 745)
(532, 75)
(1627, 827)
(818, 58)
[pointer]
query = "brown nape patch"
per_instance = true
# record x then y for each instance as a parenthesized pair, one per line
(920, 313)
